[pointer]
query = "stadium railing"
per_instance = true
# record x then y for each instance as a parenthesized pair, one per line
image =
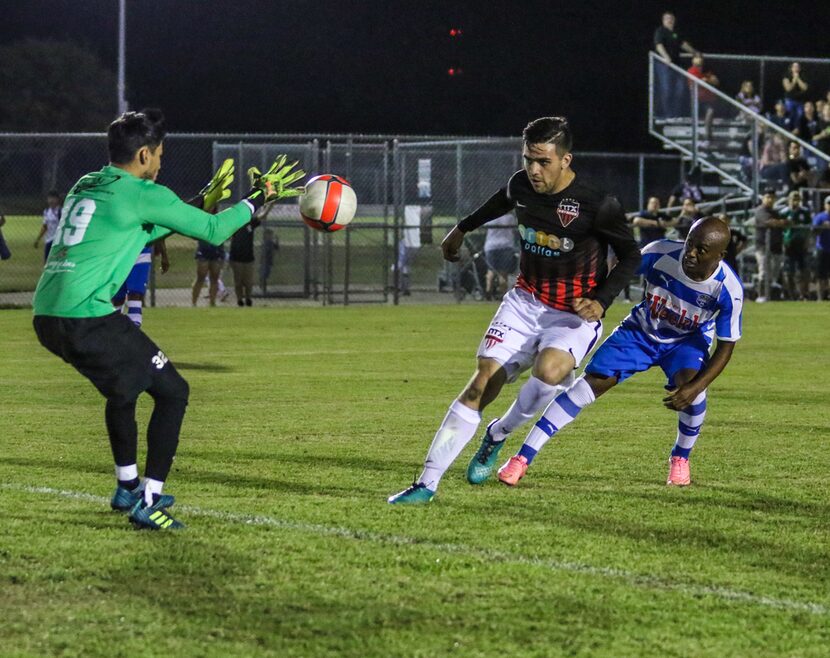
(732, 149)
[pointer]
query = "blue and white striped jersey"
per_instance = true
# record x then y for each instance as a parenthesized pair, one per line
(675, 306)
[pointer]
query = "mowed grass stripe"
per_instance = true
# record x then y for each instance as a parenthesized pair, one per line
(487, 555)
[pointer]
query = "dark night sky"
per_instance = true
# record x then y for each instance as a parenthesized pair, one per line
(381, 67)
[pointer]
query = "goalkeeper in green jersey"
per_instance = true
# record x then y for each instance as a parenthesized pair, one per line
(109, 216)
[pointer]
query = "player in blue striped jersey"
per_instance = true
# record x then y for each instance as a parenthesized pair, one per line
(690, 296)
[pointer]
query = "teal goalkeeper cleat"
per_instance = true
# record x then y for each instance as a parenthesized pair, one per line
(123, 500)
(484, 461)
(153, 517)
(415, 494)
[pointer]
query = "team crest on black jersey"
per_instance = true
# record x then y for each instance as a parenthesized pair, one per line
(568, 210)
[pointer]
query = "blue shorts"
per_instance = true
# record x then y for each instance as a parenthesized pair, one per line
(136, 282)
(628, 351)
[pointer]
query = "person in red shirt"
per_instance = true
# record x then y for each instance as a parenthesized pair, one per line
(705, 98)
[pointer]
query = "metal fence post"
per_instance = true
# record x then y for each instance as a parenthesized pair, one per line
(641, 180)
(397, 200)
(756, 162)
(347, 255)
(458, 173)
(650, 92)
(695, 110)
(762, 71)
(152, 283)
(386, 190)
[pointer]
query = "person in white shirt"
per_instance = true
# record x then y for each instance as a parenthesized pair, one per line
(51, 219)
(500, 254)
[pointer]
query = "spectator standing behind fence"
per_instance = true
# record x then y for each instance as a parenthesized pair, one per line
(414, 217)
(705, 98)
(51, 219)
(671, 85)
(688, 188)
(501, 255)
(795, 89)
(737, 243)
(652, 222)
(689, 214)
(209, 261)
(796, 241)
(809, 124)
(773, 163)
(5, 252)
(270, 245)
(242, 262)
(822, 137)
(769, 244)
(798, 169)
(748, 98)
(780, 118)
(821, 229)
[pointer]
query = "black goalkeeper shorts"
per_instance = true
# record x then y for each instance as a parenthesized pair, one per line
(110, 351)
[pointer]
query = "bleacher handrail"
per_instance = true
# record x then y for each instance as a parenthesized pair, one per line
(761, 58)
(760, 118)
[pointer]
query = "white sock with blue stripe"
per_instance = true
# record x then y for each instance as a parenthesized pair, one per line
(564, 408)
(456, 430)
(689, 422)
(134, 311)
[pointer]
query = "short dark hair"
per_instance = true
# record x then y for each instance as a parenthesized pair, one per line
(550, 130)
(53, 193)
(132, 131)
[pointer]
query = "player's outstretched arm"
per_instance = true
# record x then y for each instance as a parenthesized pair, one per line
(611, 226)
(451, 244)
(160, 207)
(684, 395)
(497, 205)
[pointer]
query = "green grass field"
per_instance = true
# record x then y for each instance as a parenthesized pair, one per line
(302, 421)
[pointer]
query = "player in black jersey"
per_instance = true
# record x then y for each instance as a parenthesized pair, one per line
(552, 318)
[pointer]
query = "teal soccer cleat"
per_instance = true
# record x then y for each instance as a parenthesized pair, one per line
(415, 494)
(123, 500)
(484, 461)
(153, 517)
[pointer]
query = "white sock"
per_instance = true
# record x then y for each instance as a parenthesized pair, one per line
(126, 473)
(134, 311)
(151, 487)
(559, 413)
(533, 396)
(456, 430)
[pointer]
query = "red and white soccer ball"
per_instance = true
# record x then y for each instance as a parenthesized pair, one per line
(329, 203)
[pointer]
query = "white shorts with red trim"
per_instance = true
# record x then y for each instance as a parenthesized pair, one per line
(523, 326)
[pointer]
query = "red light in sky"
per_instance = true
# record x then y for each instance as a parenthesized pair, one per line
(455, 32)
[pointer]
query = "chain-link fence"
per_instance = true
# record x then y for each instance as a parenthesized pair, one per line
(410, 192)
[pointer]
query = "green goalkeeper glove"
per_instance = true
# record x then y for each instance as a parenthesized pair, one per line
(276, 183)
(217, 189)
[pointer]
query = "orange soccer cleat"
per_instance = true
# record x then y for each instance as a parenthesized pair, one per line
(514, 470)
(679, 474)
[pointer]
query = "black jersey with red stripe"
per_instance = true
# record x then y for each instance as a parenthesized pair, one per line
(564, 240)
